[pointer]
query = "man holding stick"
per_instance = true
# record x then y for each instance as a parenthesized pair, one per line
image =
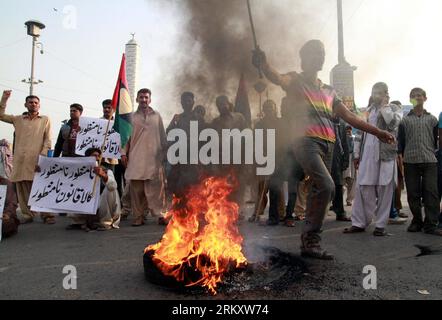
(312, 105)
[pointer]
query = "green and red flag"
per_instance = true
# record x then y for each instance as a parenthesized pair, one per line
(122, 105)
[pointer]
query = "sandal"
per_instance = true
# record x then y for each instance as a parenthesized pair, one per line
(49, 220)
(74, 227)
(378, 232)
(264, 223)
(289, 223)
(353, 229)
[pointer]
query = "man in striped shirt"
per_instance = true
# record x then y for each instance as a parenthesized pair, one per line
(312, 105)
(418, 134)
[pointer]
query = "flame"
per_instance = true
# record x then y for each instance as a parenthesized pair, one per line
(202, 241)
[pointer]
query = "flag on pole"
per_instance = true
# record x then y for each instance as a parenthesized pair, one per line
(122, 105)
(242, 104)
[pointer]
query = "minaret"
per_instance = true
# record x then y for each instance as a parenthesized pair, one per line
(132, 61)
(342, 75)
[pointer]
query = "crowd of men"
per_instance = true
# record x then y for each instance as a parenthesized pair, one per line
(316, 153)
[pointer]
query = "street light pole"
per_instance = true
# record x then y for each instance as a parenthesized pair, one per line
(31, 80)
(33, 28)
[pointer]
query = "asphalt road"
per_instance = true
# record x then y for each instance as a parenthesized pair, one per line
(109, 264)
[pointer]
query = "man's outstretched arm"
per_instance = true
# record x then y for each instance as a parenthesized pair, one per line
(349, 117)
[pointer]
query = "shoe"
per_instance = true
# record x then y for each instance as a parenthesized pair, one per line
(353, 229)
(397, 220)
(380, 232)
(289, 223)
(343, 218)
(264, 223)
(300, 217)
(104, 228)
(414, 228)
(26, 220)
(49, 220)
(311, 247)
(253, 218)
(74, 227)
(402, 215)
(138, 222)
(163, 221)
(435, 232)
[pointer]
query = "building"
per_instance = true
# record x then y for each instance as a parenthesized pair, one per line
(132, 65)
(342, 75)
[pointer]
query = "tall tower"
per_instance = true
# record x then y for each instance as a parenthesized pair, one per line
(342, 75)
(132, 62)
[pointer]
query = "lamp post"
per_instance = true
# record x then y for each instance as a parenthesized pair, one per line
(34, 28)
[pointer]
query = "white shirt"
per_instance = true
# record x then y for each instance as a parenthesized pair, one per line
(373, 171)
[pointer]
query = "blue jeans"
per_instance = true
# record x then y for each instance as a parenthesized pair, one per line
(393, 211)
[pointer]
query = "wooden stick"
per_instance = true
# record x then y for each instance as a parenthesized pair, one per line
(255, 41)
(101, 155)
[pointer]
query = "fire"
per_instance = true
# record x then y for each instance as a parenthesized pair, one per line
(202, 241)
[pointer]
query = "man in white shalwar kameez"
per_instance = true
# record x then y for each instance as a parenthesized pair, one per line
(377, 175)
(109, 211)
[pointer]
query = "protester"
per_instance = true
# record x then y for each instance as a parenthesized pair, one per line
(312, 105)
(108, 114)
(350, 173)
(181, 176)
(376, 164)
(10, 221)
(230, 120)
(32, 138)
(290, 169)
(269, 184)
(418, 136)
(396, 215)
(340, 163)
(109, 208)
(67, 138)
(144, 157)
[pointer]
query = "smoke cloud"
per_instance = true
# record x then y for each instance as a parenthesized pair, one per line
(217, 43)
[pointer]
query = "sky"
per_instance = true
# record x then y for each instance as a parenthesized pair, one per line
(395, 41)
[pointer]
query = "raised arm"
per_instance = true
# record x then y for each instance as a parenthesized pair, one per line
(349, 117)
(4, 117)
(259, 60)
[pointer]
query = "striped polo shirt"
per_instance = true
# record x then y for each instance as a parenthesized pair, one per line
(418, 138)
(311, 107)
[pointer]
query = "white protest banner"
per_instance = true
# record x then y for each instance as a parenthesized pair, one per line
(92, 134)
(3, 190)
(65, 185)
